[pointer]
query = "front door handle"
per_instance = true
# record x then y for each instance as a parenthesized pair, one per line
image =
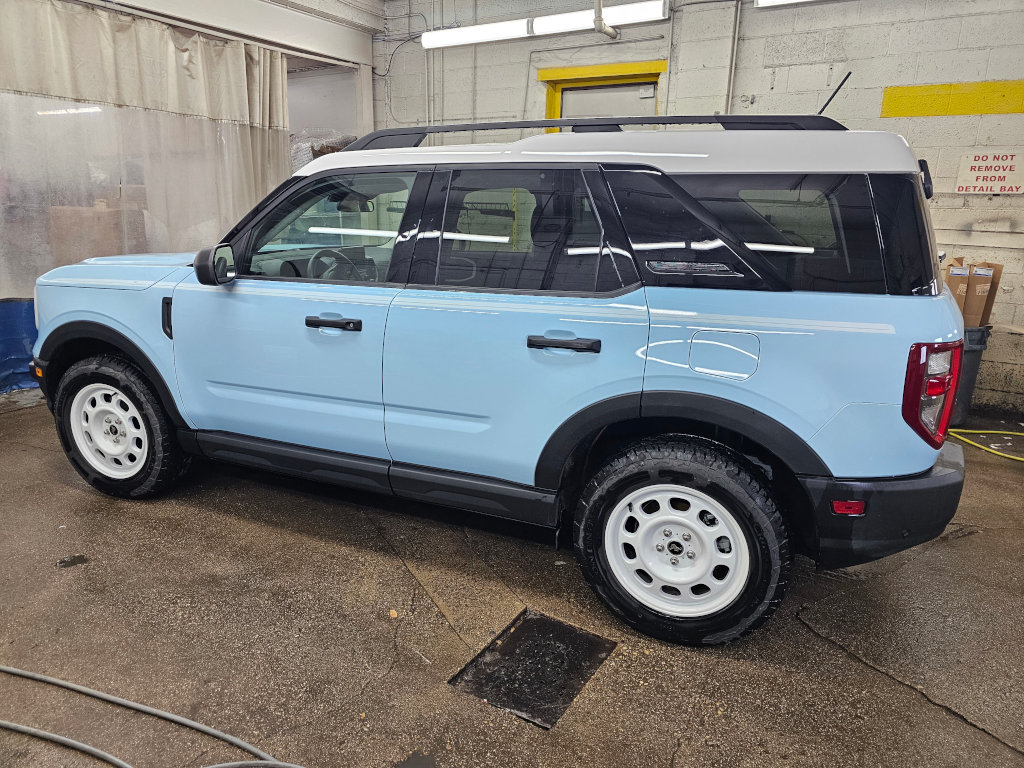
(580, 345)
(344, 323)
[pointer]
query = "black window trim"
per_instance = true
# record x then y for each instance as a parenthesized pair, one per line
(417, 204)
(436, 205)
(758, 265)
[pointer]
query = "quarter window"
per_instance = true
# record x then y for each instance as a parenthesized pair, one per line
(525, 229)
(910, 254)
(338, 228)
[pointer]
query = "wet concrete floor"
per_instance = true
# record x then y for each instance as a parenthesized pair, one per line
(323, 626)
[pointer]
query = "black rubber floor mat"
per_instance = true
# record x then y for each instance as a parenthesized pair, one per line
(535, 668)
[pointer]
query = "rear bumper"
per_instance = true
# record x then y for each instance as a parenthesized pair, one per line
(899, 512)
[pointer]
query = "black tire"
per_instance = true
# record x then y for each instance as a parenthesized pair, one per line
(165, 462)
(729, 479)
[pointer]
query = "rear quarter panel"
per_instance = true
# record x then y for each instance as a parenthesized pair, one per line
(830, 366)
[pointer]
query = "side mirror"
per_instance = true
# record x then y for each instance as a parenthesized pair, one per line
(215, 265)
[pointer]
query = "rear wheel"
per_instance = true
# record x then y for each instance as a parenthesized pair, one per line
(681, 538)
(114, 429)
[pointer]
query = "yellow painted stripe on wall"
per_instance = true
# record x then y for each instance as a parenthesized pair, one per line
(989, 97)
(604, 70)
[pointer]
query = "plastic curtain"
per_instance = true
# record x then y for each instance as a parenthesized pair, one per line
(123, 135)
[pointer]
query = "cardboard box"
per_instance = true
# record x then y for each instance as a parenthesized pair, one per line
(981, 293)
(956, 278)
(974, 288)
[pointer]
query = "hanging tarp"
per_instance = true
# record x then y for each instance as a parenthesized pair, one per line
(120, 134)
(17, 335)
(82, 52)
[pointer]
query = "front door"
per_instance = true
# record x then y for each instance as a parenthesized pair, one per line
(291, 349)
(519, 313)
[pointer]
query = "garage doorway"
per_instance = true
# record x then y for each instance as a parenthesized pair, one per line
(635, 99)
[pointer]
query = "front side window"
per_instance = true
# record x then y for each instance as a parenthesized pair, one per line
(525, 229)
(337, 228)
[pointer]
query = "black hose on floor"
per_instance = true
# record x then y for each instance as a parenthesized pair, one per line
(264, 760)
(64, 741)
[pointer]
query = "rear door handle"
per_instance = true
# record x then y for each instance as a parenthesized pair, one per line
(580, 345)
(344, 323)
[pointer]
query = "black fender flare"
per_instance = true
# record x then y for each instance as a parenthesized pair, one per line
(789, 447)
(79, 330)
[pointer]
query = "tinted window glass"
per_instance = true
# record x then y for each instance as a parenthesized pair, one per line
(336, 228)
(673, 246)
(910, 258)
(524, 229)
(817, 231)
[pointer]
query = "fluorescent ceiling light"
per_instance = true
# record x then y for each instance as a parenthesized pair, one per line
(478, 33)
(476, 238)
(350, 231)
(554, 24)
(770, 248)
(70, 111)
(770, 3)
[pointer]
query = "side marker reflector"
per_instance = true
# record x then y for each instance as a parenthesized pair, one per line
(855, 508)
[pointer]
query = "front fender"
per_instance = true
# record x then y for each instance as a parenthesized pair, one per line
(65, 337)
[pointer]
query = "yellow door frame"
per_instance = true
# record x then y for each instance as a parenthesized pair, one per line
(558, 78)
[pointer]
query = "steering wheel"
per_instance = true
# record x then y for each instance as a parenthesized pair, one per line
(325, 264)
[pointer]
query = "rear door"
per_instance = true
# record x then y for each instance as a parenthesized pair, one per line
(521, 311)
(291, 349)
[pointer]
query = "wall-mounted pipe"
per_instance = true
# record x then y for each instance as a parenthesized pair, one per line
(599, 22)
(732, 58)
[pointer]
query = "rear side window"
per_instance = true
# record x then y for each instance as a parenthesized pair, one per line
(817, 231)
(525, 229)
(670, 243)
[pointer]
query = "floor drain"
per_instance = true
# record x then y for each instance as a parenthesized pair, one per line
(535, 667)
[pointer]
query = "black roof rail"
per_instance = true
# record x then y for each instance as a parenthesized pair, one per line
(395, 138)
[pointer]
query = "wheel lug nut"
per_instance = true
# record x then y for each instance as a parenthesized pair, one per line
(686, 537)
(667, 532)
(691, 554)
(660, 547)
(674, 561)
(106, 420)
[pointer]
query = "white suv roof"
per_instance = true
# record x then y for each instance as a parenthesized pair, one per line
(672, 151)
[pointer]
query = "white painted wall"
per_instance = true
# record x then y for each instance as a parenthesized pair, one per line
(788, 60)
(324, 98)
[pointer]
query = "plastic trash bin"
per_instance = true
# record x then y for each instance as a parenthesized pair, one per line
(975, 342)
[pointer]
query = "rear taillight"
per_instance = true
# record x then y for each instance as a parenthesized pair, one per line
(933, 371)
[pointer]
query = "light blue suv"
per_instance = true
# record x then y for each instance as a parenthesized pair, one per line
(699, 351)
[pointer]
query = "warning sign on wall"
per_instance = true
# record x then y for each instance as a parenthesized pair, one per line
(984, 173)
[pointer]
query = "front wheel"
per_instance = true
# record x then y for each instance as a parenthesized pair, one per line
(114, 429)
(680, 537)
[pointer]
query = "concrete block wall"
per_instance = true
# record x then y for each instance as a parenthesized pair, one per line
(787, 60)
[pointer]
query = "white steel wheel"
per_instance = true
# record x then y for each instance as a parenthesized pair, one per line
(677, 551)
(108, 431)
